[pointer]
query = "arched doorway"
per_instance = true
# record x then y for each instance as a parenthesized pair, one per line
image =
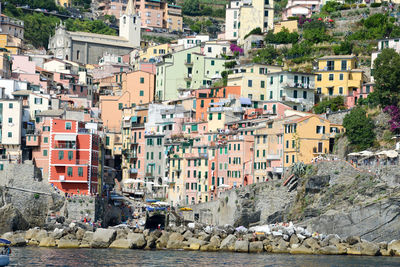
(245, 181)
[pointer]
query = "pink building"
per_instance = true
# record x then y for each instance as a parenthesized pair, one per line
(301, 8)
(23, 69)
(357, 94)
(147, 67)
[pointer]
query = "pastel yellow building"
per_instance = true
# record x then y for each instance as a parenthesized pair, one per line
(11, 43)
(338, 75)
(64, 3)
(307, 138)
(290, 25)
(252, 79)
(154, 51)
(176, 167)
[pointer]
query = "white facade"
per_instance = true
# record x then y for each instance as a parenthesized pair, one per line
(57, 65)
(217, 48)
(11, 118)
(232, 20)
(7, 87)
(192, 41)
(295, 89)
(37, 104)
(129, 25)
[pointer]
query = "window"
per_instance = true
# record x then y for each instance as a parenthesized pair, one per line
(219, 116)
(141, 80)
(9, 134)
(330, 65)
(45, 152)
(262, 84)
(270, 94)
(45, 140)
(209, 49)
(250, 83)
(305, 94)
(68, 126)
(210, 116)
(265, 13)
(331, 77)
(69, 171)
(295, 94)
(344, 64)
(261, 97)
(320, 130)
(70, 155)
(80, 171)
(10, 105)
(60, 155)
(319, 77)
(9, 120)
(212, 62)
(287, 158)
(141, 93)
(202, 103)
(341, 76)
(38, 100)
(319, 90)
(341, 90)
(287, 143)
(120, 106)
(271, 80)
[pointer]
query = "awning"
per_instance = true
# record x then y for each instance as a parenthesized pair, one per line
(245, 101)
(134, 119)
(65, 137)
(127, 118)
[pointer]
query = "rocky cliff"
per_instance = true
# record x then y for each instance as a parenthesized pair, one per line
(333, 198)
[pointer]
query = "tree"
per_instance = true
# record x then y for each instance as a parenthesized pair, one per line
(266, 55)
(38, 28)
(334, 104)
(345, 48)
(282, 37)
(359, 128)
(387, 77)
(191, 7)
(254, 31)
(330, 6)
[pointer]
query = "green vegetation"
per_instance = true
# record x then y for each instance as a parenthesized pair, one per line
(266, 55)
(359, 128)
(282, 37)
(201, 25)
(376, 26)
(38, 28)
(256, 31)
(95, 26)
(334, 104)
(387, 77)
(197, 8)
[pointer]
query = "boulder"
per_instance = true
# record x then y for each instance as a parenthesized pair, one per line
(16, 239)
(228, 244)
(294, 240)
(80, 233)
(394, 247)
(197, 241)
(281, 246)
(38, 236)
(369, 248)
(68, 243)
(47, 242)
(242, 246)
(352, 240)
(150, 242)
(57, 233)
(193, 246)
(162, 241)
(301, 250)
(122, 243)
(121, 234)
(215, 241)
(188, 234)
(30, 233)
(329, 250)
(342, 247)
(87, 237)
(256, 247)
(354, 250)
(102, 238)
(175, 241)
(138, 240)
(11, 219)
(311, 243)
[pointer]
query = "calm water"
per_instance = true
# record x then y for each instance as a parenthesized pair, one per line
(108, 257)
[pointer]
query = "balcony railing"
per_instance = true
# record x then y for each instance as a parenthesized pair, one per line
(300, 85)
(277, 169)
(273, 157)
(66, 146)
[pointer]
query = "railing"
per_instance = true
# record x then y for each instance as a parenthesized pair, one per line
(82, 161)
(300, 85)
(65, 146)
(83, 130)
(277, 169)
(273, 157)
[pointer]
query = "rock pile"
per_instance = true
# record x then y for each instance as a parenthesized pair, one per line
(269, 238)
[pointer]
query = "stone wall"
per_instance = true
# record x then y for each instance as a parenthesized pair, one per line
(243, 206)
(337, 117)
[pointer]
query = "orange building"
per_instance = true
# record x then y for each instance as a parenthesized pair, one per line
(204, 97)
(138, 89)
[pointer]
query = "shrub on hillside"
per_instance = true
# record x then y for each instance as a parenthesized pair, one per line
(376, 4)
(359, 128)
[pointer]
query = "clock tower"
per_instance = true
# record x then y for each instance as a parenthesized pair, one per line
(129, 25)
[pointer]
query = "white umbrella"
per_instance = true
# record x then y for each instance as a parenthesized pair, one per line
(129, 181)
(138, 181)
(223, 186)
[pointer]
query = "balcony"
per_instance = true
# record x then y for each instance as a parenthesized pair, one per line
(189, 63)
(188, 77)
(277, 169)
(273, 157)
(65, 146)
(300, 85)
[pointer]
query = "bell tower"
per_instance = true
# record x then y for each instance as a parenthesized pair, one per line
(129, 25)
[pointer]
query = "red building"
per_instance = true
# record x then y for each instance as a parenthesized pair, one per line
(73, 157)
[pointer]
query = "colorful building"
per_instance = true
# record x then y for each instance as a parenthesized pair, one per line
(338, 75)
(73, 157)
(358, 94)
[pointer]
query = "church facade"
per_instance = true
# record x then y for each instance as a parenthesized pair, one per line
(89, 48)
